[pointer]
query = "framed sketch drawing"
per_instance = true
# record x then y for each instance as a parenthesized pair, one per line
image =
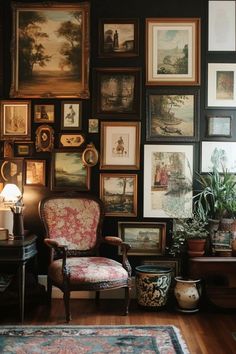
(172, 114)
(118, 38)
(15, 120)
(219, 126)
(35, 172)
(221, 25)
(145, 238)
(120, 145)
(173, 51)
(51, 50)
(119, 194)
(71, 115)
(168, 181)
(69, 172)
(218, 154)
(117, 93)
(221, 85)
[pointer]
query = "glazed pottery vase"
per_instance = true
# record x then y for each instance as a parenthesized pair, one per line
(196, 248)
(187, 293)
(152, 285)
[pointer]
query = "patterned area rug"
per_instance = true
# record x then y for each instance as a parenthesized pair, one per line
(91, 340)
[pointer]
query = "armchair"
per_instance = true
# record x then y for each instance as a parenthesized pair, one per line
(73, 232)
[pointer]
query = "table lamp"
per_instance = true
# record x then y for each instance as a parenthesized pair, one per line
(10, 196)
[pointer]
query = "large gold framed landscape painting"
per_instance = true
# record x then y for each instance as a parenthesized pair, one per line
(50, 50)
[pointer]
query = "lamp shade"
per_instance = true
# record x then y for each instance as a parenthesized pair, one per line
(10, 193)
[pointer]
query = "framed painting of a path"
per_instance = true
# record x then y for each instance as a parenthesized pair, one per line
(50, 53)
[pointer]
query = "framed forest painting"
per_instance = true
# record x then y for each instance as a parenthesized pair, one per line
(50, 55)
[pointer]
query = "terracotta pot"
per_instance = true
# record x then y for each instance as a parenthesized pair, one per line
(187, 293)
(196, 248)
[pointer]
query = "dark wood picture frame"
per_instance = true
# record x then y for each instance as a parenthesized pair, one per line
(35, 172)
(117, 93)
(23, 148)
(44, 138)
(44, 113)
(219, 126)
(71, 115)
(118, 38)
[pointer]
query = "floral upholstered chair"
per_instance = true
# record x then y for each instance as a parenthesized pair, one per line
(73, 233)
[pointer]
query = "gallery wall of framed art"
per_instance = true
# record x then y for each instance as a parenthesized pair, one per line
(106, 99)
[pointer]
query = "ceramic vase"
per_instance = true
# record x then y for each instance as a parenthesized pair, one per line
(187, 293)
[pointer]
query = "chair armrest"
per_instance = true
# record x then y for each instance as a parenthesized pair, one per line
(117, 241)
(61, 249)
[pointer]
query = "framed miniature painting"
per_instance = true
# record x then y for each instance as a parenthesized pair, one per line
(71, 115)
(22, 148)
(35, 172)
(145, 238)
(44, 138)
(117, 93)
(90, 155)
(168, 180)
(51, 50)
(172, 114)
(71, 140)
(69, 172)
(173, 51)
(120, 145)
(15, 120)
(93, 125)
(119, 194)
(44, 113)
(221, 88)
(219, 126)
(118, 38)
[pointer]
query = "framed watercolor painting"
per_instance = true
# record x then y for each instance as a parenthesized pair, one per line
(218, 154)
(173, 51)
(35, 172)
(51, 50)
(117, 93)
(71, 115)
(219, 126)
(145, 238)
(15, 120)
(221, 88)
(44, 113)
(172, 114)
(69, 172)
(119, 194)
(120, 145)
(168, 179)
(118, 38)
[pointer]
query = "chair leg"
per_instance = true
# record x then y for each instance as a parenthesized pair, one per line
(66, 298)
(97, 298)
(127, 299)
(49, 290)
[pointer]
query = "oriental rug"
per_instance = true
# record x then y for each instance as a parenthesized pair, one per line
(91, 340)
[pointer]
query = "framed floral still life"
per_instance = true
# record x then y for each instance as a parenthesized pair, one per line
(168, 181)
(117, 93)
(118, 38)
(219, 126)
(145, 238)
(119, 194)
(44, 113)
(15, 120)
(172, 114)
(71, 115)
(69, 172)
(120, 145)
(173, 51)
(221, 88)
(51, 50)
(35, 172)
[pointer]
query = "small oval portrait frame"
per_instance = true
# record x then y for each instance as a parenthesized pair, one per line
(90, 156)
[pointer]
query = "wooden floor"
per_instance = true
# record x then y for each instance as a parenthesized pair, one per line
(207, 331)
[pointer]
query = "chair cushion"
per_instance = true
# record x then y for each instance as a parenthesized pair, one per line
(88, 270)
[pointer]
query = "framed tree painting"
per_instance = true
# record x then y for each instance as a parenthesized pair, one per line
(168, 179)
(51, 50)
(118, 38)
(173, 51)
(119, 194)
(172, 114)
(117, 93)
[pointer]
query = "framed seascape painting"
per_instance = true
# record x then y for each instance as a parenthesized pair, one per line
(172, 114)
(219, 155)
(120, 145)
(119, 194)
(50, 56)
(15, 120)
(117, 93)
(221, 88)
(69, 172)
(173, 51)
(118, 38)
(168, 179)
(145, 238)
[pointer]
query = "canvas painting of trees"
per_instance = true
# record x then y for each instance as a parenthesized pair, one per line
(51, 51)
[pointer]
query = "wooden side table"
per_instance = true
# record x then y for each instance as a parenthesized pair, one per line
(19, 252)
